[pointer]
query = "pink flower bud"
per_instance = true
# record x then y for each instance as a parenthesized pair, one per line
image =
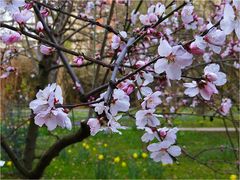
(28, 5)
(78, 60)
(46, 49)
(129, 89)
(39, 26)
(44, 12)
(163, 133)
(194, 49)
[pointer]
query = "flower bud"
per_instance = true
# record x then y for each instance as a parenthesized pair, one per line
(39, 26)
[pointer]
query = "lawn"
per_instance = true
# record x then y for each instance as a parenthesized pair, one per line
(94, 158)
(125, 156)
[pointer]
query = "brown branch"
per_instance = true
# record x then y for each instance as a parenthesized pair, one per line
(55, 149)
(61, 54)
(55, 45)
(18, 164)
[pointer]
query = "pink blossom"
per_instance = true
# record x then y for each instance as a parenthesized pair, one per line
(107, 123)
(44, 12)
(78, 60)
(187, 14)
(147, 117)
(205, 88)
(175, 59)
(148, 19)
(163, 151)
(194, 49)
(215, 39)
(134, 17)
(120, 102)
(12, 6)
(53, 119)
(116, 40)
(28, 5)
(127, 86)
(225, 106)
(151, 100)
(94, 125)
(10, 38)
(148, 135)
(144, 78)
(45, 110)
(39, 26)
(168, 134)
(23, 16)
(46, 49)
(228, 24)
(212, 74)
(7, 72)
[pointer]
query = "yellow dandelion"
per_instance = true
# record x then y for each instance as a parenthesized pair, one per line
(233, 177)
(87, 146)
(124, 164)
(100, 157)
(116, 159)
(9, 163)
(94, 149)
(105, 145)
(135, 155)
(144, 155)
(69, 151)
(84, 144)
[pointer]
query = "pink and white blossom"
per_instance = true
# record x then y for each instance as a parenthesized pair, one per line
(39, 26)
(10, 38)
(212, 74)
(214, 39)
(134, 17)
(120, 102)
(175, 59)
(205, 88)
(78, 60)
(229, 23)
(127, 86)
(148, 19)
(53, 119)
(12, 5)
(94, 125)
(46, 112)
(116, 40)
(147, 117)
(187, 16)
(44, 12)
(152, 100)
(7, 72)
(162, 151)
(225, 106)
(46, 49)
(168, 134)
(23, 16)
(148, 135)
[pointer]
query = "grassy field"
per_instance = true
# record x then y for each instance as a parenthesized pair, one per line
(94, 158)
(125, 156)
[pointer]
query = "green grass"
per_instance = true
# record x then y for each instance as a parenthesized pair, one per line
(81, 160)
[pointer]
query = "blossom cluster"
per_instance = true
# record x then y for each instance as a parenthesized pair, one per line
(45, 111)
